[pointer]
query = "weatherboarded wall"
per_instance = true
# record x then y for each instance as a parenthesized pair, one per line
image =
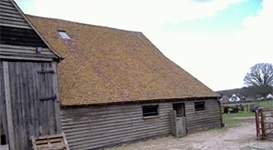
(10, 16)
(202, 120)
(92, 127)
(24, 53)
(98, 126)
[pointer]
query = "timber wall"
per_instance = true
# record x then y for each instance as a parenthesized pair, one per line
(24, 53)
(3, 118)
(91, 127)
(18, 40)
(10, 16)
(28, 115)
(25, 108)
(206, 119)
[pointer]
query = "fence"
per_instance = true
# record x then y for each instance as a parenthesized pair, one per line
(264, 123)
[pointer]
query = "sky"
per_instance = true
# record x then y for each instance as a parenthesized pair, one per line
(216, 41)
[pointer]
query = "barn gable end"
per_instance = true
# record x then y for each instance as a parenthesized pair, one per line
(18, 39)
(29, 101)
(10, 16)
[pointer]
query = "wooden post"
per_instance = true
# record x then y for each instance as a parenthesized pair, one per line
(262, 124)
(57, 101)
(8, 106)
(173, 123)
(257, 123)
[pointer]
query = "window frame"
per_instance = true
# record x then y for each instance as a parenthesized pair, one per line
(63, 34)
(199, 108)
(153, 107)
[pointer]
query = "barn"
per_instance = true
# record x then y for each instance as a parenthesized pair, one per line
(116, 87)
(29, 100)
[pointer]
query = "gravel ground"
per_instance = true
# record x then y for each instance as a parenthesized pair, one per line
(242, 137)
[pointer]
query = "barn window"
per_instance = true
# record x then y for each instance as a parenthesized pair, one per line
(150, 110)
(199, 106)
(63, 34)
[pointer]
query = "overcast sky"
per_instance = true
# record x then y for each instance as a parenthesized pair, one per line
(217, 41)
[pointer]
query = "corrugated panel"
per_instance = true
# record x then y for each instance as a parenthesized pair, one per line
(11, 51)
(93, 127)
(9, 15)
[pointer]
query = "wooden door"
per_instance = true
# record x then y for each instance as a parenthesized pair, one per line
(178, 120)
(32, 102)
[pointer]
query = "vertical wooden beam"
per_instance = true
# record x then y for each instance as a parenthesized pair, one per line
(8, 106)
(57, 101)
(257, 123)
(262, 124)
(173, 123)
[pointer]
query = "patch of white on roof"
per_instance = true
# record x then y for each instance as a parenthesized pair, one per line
(64, 35)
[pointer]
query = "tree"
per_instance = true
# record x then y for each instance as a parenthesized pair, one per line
(260, 79)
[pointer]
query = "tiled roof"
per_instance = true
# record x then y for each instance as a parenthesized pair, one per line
(106, 65)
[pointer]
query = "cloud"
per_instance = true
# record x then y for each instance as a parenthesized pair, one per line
(131, 15)
(202, 1)
(218, 61)
(258, 34)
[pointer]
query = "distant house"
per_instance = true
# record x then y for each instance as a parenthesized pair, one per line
(29, 94)
(269, 96)
(116, 86)
(234, 98)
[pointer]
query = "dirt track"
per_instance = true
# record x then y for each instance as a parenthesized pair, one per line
(242, 137)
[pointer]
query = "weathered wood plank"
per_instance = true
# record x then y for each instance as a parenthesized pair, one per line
(57, 101)
(9, 6)
(24, 89)
(11, 17)
(25, 58)
(8, 106)
(116, 140)
(3, 114)
(103, 127)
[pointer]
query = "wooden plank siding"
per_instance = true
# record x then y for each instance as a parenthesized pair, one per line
(18, 40)
(25, 53)
(205, 119)
(99, 126)
(91, 127)
(9, 16)
(30, 115)
(3, 114)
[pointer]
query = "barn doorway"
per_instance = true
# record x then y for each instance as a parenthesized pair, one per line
(29, 103)
(180, 109)
(178, 120)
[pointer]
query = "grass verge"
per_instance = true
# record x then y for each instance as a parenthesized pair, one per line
(233, 119)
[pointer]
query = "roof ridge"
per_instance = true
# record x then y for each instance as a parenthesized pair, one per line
(83, 23)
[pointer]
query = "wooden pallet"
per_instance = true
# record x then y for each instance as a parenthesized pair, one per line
(50, 142)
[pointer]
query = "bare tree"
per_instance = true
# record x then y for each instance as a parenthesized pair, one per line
(260, 78)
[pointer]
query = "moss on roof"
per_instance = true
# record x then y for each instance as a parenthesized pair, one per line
(106, 65)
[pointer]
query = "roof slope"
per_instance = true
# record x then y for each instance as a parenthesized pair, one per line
(105, 65)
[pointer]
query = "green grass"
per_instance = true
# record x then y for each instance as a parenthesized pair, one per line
(233, 119)
(266, 103)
